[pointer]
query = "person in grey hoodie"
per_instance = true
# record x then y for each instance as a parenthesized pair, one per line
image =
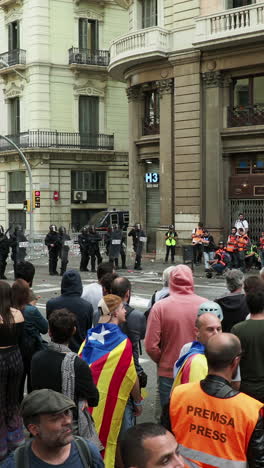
(71, 291)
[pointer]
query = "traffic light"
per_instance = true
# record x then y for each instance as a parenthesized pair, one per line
(36, 199)
(26, 206)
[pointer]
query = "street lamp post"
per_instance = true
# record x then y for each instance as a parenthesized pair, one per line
(25, 161)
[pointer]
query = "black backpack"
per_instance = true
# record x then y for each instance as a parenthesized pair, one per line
(21, 454)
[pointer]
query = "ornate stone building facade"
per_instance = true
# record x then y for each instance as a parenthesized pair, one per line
(195, 73)
(59, 104)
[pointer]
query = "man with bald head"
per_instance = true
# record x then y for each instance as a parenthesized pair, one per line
(214, 424)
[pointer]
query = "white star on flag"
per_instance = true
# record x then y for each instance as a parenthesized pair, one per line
(99, 336)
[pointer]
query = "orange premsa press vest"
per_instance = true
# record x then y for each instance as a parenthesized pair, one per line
(213, 432)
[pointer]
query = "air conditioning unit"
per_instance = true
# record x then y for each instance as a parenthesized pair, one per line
(79, 195)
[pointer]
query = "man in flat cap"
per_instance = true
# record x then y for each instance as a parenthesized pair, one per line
(47, 416)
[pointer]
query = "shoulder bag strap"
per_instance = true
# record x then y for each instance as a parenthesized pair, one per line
(84, 452)
(21, 456)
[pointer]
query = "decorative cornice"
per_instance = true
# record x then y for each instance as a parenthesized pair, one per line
(215, 79)
(123, 3)
(134, 93)
(165, 86)
(12, 90)
(89, 14)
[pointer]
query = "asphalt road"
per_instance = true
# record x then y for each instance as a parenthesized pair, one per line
(143, 285)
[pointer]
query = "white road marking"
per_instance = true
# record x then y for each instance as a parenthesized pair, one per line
(143, 361)
(44, 285)
(36, 291)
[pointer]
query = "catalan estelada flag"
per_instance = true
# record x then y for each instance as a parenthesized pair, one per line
(109, 354)
(191, 367)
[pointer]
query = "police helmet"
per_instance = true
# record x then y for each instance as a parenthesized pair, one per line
(53, 228)
(62, 230)
(84, 230)
(212, 307)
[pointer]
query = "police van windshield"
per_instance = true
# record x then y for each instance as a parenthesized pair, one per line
(97, 218)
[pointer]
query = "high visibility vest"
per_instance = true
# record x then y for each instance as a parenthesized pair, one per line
(261, 240)
(213, 432)
(197, 236)
(221, 256)
(242, 243)
(171, 241)
(231, 243)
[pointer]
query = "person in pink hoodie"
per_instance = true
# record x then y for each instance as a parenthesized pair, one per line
(170, 325)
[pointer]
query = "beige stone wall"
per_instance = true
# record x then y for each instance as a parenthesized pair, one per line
(183, 12)
(187, 145)
(52, 172)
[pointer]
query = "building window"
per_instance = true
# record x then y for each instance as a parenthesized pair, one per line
(16, 187)
(88, 115)
(14, 116)
(151, 113)
(88, 34)
(239, 3)
(92, 182)
(149, 13)
(247, 101)
(13, 36)
(252, 165)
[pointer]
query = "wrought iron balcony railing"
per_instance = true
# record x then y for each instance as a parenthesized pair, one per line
(150, 126)
(13, 57)
(241, 116)
(54, 139)
(89, 57)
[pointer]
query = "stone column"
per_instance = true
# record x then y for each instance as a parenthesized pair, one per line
(212, 178)
(166, 166)
(135, 109)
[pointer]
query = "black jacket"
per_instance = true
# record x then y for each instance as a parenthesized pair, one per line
(52, 238)
(235, 310)
(71, 291)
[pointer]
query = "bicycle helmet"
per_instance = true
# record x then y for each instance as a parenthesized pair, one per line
(211, 307)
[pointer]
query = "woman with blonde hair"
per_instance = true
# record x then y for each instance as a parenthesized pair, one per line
(11, 371)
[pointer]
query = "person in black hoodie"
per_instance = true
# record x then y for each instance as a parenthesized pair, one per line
(71, 291)
(234, 304)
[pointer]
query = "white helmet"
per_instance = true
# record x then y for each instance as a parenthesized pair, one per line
(211, 307)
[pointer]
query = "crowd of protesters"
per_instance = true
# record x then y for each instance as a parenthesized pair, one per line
(84, 382)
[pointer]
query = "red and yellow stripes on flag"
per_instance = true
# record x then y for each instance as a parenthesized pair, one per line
(114, 375)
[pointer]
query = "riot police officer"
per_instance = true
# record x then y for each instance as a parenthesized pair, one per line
(93, 241)
(83, 242)
(170, 241)
(64, 239)
(52, 241)
(4, 251)
(115, 243)
(19, 251)
(139, 238)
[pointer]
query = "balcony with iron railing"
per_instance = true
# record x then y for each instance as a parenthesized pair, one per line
(230, 26)
(137, 47)
(150, 126)
(87, 57)
(53, 139)
(13, 59)
(241, 116)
